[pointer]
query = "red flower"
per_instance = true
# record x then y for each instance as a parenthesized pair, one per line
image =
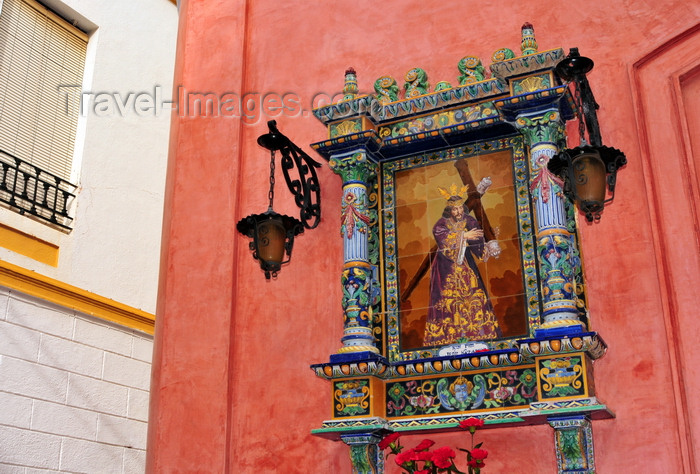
(424, 445)
(471, 424)
(406, 457)
(442, 457)
(479, 454)
(476, 458)
(424, 456)
(389, 440)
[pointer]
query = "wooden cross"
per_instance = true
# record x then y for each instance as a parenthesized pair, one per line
(474, 205)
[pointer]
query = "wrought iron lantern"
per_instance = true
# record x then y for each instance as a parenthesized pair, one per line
(590, 168)
(273, 234)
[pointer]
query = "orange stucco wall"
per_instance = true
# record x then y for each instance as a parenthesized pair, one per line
(232, 390)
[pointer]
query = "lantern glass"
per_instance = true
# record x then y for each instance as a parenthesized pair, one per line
(271, 236)
(589, 179)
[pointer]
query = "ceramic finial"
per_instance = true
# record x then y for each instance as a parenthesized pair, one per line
(528, 45)
(350, 89)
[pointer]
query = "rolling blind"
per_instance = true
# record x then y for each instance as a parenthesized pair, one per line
(39, 53)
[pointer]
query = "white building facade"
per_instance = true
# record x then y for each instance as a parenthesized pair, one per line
(78, 282)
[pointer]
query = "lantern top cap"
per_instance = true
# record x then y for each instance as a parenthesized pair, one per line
(273, 140)
(574, 65)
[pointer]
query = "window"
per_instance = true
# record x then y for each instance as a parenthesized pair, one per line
(39, 53)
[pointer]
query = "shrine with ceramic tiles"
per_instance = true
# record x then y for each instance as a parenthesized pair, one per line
(463, 287)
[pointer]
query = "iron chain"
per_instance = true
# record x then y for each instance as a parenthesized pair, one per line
(271, 193)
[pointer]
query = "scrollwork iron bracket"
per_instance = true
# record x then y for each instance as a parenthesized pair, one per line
(305, 189)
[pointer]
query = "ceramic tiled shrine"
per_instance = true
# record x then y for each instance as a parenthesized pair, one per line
(463, 292)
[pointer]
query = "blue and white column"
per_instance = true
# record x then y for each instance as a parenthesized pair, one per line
(556, 245)
(358, 273)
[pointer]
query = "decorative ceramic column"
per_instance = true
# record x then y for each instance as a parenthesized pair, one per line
(366, 457)
(536, 109)
(358, 273)
(573, 441)
(357, 370)
(556, 245)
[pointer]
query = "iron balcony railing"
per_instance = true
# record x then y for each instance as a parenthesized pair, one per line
(31, 190)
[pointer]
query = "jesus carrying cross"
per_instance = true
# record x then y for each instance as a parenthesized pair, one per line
(460, 309)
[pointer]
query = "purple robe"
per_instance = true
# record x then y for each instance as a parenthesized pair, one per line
(460, 309)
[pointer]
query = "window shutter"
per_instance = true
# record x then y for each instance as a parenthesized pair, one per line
(39, 52)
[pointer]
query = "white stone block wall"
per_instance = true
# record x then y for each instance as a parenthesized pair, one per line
(73, 390)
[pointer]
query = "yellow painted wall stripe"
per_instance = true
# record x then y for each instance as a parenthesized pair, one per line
(72, 297)
(29, 246)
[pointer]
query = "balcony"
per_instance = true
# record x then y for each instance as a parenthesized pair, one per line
(32, 191)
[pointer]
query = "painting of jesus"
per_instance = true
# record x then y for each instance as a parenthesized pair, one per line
(458, 252)
(460, 309)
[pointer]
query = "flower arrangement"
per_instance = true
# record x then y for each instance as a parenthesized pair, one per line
(422, 460)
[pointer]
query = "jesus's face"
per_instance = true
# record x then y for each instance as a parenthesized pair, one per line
(457, 212)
